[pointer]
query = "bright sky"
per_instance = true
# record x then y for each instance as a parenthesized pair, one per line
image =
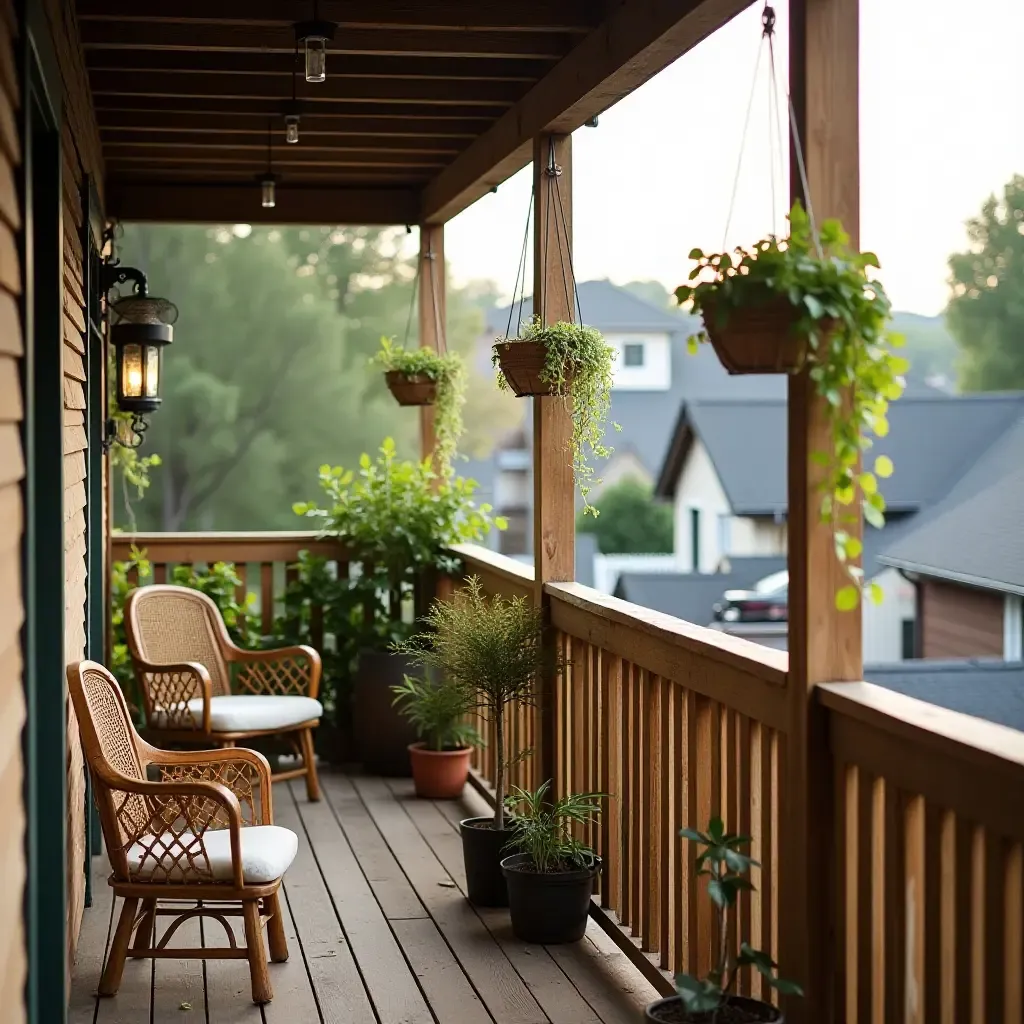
(941, 129)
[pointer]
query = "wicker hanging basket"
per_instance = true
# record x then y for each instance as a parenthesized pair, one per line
(409, 389)
(759, 339)
(522, 363)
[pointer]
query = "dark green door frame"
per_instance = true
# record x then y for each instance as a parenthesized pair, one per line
(45, 732)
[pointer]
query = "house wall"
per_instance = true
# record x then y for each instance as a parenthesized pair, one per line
(12, 470)
(883, 623)
(960, 622)
(699, 488)
(654, 374)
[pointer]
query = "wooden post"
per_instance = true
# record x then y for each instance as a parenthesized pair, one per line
(432, 314)
(554, 510)
(824, 643)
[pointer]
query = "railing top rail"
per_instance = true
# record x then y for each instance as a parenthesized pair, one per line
(950, 733)
(495, 563)
(768, 664)
(217, 536)
(239, 547)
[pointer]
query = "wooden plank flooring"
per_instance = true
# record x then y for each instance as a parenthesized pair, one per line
(379, 932)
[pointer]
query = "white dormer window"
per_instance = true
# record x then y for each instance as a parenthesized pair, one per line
(633, 353)
(642, 361)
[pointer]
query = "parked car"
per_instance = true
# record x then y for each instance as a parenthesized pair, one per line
(768, 601)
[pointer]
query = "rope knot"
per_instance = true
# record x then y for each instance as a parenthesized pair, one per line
(768, 21)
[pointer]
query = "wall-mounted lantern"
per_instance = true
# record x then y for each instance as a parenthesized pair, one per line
(314, 35)
(141, 325)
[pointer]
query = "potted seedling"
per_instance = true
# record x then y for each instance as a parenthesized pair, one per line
(424, 376)
(494, 646)
(550, 873)
(569, 360)
(437, 709)
(710, 1000)
(809, 300)
(397, 519)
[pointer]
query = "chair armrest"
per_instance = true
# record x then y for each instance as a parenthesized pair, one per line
(169, 821)
(167, 689)
(241, 770)
(284, 670)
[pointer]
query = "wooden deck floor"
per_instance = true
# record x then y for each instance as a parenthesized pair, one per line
(379, 933)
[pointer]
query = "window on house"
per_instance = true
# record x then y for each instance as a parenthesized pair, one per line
(695, 539)
(724, 535)
(909, 645)
(633, 354)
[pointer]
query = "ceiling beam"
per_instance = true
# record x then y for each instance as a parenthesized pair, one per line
(283, 158)
(140, 35)
(639, 39)
(156, 123)
(523, 15)
(310, 141)
(220, 88)
(284, 65)
(239, 204)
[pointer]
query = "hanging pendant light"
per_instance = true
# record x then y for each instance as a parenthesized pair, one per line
(292, 110)
(268, 180)
(314, 35)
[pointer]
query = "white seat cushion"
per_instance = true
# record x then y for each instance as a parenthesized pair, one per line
(267, 853)
(240, 713)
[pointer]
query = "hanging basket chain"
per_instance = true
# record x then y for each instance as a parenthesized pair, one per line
(577, 309)
(743, 146)
(521, 272)
(412, 305)
(439, 326)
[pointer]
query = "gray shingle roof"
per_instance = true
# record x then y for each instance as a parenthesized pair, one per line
(933, 440)
(993, 690)
(976, 534)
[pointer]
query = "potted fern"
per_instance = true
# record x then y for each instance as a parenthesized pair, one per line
(424, 376)
(492, 646)
(569, 360)
(809, 300)
(550, 873)
(710, 1000)
(436, 708)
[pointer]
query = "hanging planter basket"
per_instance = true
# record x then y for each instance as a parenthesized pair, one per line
(411, 389)
(522, 363)
(759, 339)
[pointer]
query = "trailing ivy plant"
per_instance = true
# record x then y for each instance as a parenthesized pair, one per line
(843, 312)
(721, 859)
(544, 827)
(578, 364)
(449, 374)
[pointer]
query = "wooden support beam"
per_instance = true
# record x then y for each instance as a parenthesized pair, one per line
(639, 39)
(433, 314)
(135, 139)
(554, 506)
(824, 643)
(231, 204)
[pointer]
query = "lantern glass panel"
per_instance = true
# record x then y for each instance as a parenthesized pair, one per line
(316, 58)
(152, 371)
(269, 193)
(131, 371)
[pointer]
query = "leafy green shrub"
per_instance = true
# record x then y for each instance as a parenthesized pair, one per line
(448, 372)
(578, 362)
(436, 709)
(844, 313)
(544, 828)
(632, 522)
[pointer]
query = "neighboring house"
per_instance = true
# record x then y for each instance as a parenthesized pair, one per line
(654, 375)
(725, 472)
(966, 557)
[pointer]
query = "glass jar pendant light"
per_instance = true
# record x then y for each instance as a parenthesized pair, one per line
(292, 109)
(314, 36)
(268, 180)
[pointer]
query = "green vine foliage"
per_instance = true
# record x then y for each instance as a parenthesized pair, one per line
(544, 827)
(843, 312)
(578, 363)
(449, 373)
(436, 708)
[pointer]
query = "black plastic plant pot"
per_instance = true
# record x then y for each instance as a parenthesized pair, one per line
(548, 908)
(736, 1010)
(381, 733)
(483, 850)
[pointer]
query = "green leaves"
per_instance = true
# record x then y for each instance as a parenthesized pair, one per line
(436, 709)
(544, 827)
(847, 598)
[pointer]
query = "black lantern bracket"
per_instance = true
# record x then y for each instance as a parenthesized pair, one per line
(112, 274)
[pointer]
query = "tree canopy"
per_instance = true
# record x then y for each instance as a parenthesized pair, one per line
(631, 520)
(986, 311)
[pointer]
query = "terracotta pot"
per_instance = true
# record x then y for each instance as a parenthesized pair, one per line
(743, 1011)
(759, 339)
(411, 390)
(522, 362)
(439, 774)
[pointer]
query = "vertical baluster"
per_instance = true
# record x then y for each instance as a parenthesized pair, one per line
(681, 896)
(577, 730)
(761, 846)
(267, 598)
(611, 779)
(994, 875)
(915, 854)
(159, 572)
(1013, 937)
(976, 935)
(666, 819)
(595, 745)
(708, 780)
(637, 769)
(628, 810)
(691, 819)
(651, 893)
(741, 772)
(582, 737)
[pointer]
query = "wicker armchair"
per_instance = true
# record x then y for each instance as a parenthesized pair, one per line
(195, 826)
(184, 661)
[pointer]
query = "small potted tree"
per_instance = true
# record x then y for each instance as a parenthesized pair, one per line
(397, 520)
(710, 1000)
(550, 875)
(424, 376)
(493, 646)
(810, 300)
(569, 360)
(437, 709)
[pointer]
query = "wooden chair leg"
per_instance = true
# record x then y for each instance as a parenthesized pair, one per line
(144, 937)
(258, 971)
(111, 980)
(309, 762)
(276, 938)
